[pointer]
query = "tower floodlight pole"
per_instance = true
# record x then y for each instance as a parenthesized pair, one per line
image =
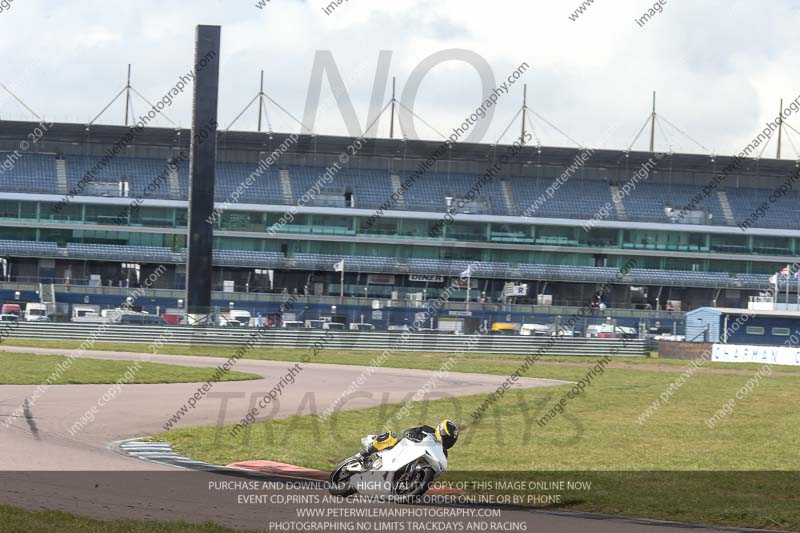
(524, 111)
(202, 175)
(127, 94)
(391, 115)
(260, 100)
(780, 128)
(653, 125)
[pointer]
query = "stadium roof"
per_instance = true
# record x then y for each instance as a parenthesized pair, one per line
(67, 138)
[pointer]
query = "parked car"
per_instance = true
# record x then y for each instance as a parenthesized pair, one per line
(529, 330)
(172, 319)
(670, 337)
(11, 309)
(561, 331)
(608, 331)
(362, 327)
(503, 328)
(87, 313)
(241, 316)
(142, 319)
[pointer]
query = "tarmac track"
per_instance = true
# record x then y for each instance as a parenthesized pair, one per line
(43, 466)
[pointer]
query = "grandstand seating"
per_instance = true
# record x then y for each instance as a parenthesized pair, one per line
(781, 214)
(430, 190)
(29, 248)
(265, 188)
(139, 172)
(576, 198)
(244, 258)
(370, 188)
(388, 265)
(650, 200)
(31, 172)
(116, 252)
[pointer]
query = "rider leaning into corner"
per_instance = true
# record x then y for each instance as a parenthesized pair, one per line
(446, 433)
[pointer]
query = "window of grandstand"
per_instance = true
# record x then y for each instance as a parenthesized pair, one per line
(107, 188)
(332, 197)
(755, 330)
(695, 216)
(781, 332)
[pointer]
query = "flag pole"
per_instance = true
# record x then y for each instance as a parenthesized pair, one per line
(775, 293)
(797, 277)
(787, 287)
(469, 282)
(341, 284)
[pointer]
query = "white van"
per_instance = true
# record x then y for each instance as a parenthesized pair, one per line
(361, 326)
(86, 313)
(36, 312)
(241, 316)
(530, 330)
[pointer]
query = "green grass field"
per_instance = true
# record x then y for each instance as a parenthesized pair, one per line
(21, 521)
(419, 360)
(671, 467)
(32, 369)
(598, 431)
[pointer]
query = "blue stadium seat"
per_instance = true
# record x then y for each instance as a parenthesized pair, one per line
(31, 172)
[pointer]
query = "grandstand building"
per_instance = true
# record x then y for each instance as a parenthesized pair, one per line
(77, 205)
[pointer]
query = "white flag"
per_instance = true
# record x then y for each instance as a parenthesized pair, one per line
(338, 267)
(467, 273)
(773, 279)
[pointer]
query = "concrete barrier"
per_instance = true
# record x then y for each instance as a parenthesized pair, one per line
(682, 350)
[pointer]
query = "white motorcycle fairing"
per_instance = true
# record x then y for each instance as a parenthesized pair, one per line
(380, 475)
(407, 451)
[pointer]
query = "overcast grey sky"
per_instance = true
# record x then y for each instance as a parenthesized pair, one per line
(719, 66)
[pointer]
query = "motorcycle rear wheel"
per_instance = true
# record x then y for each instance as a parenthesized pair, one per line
(415, 484)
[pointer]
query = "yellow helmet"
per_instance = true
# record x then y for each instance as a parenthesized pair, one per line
(447, 433)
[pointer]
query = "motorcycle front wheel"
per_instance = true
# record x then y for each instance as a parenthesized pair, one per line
(413, 482)
(339, 480)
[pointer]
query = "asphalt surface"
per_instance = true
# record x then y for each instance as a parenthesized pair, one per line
(44, 466)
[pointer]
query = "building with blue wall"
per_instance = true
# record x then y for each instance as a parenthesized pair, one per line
(741, 326)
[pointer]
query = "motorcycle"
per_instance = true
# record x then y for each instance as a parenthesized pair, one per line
(403, 472)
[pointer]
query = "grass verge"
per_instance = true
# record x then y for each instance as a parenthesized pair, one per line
(486, 363)
(31, 369)
(17, 520)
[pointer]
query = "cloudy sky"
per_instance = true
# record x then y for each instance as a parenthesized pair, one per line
(720, 67)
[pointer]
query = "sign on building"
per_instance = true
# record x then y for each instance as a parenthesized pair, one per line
(773, 355)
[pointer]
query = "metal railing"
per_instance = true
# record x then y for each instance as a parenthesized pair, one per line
(341, 340)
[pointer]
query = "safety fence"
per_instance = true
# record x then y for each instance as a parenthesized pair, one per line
(342, 340)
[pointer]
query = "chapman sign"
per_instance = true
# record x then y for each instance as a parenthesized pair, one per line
(774, 355)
